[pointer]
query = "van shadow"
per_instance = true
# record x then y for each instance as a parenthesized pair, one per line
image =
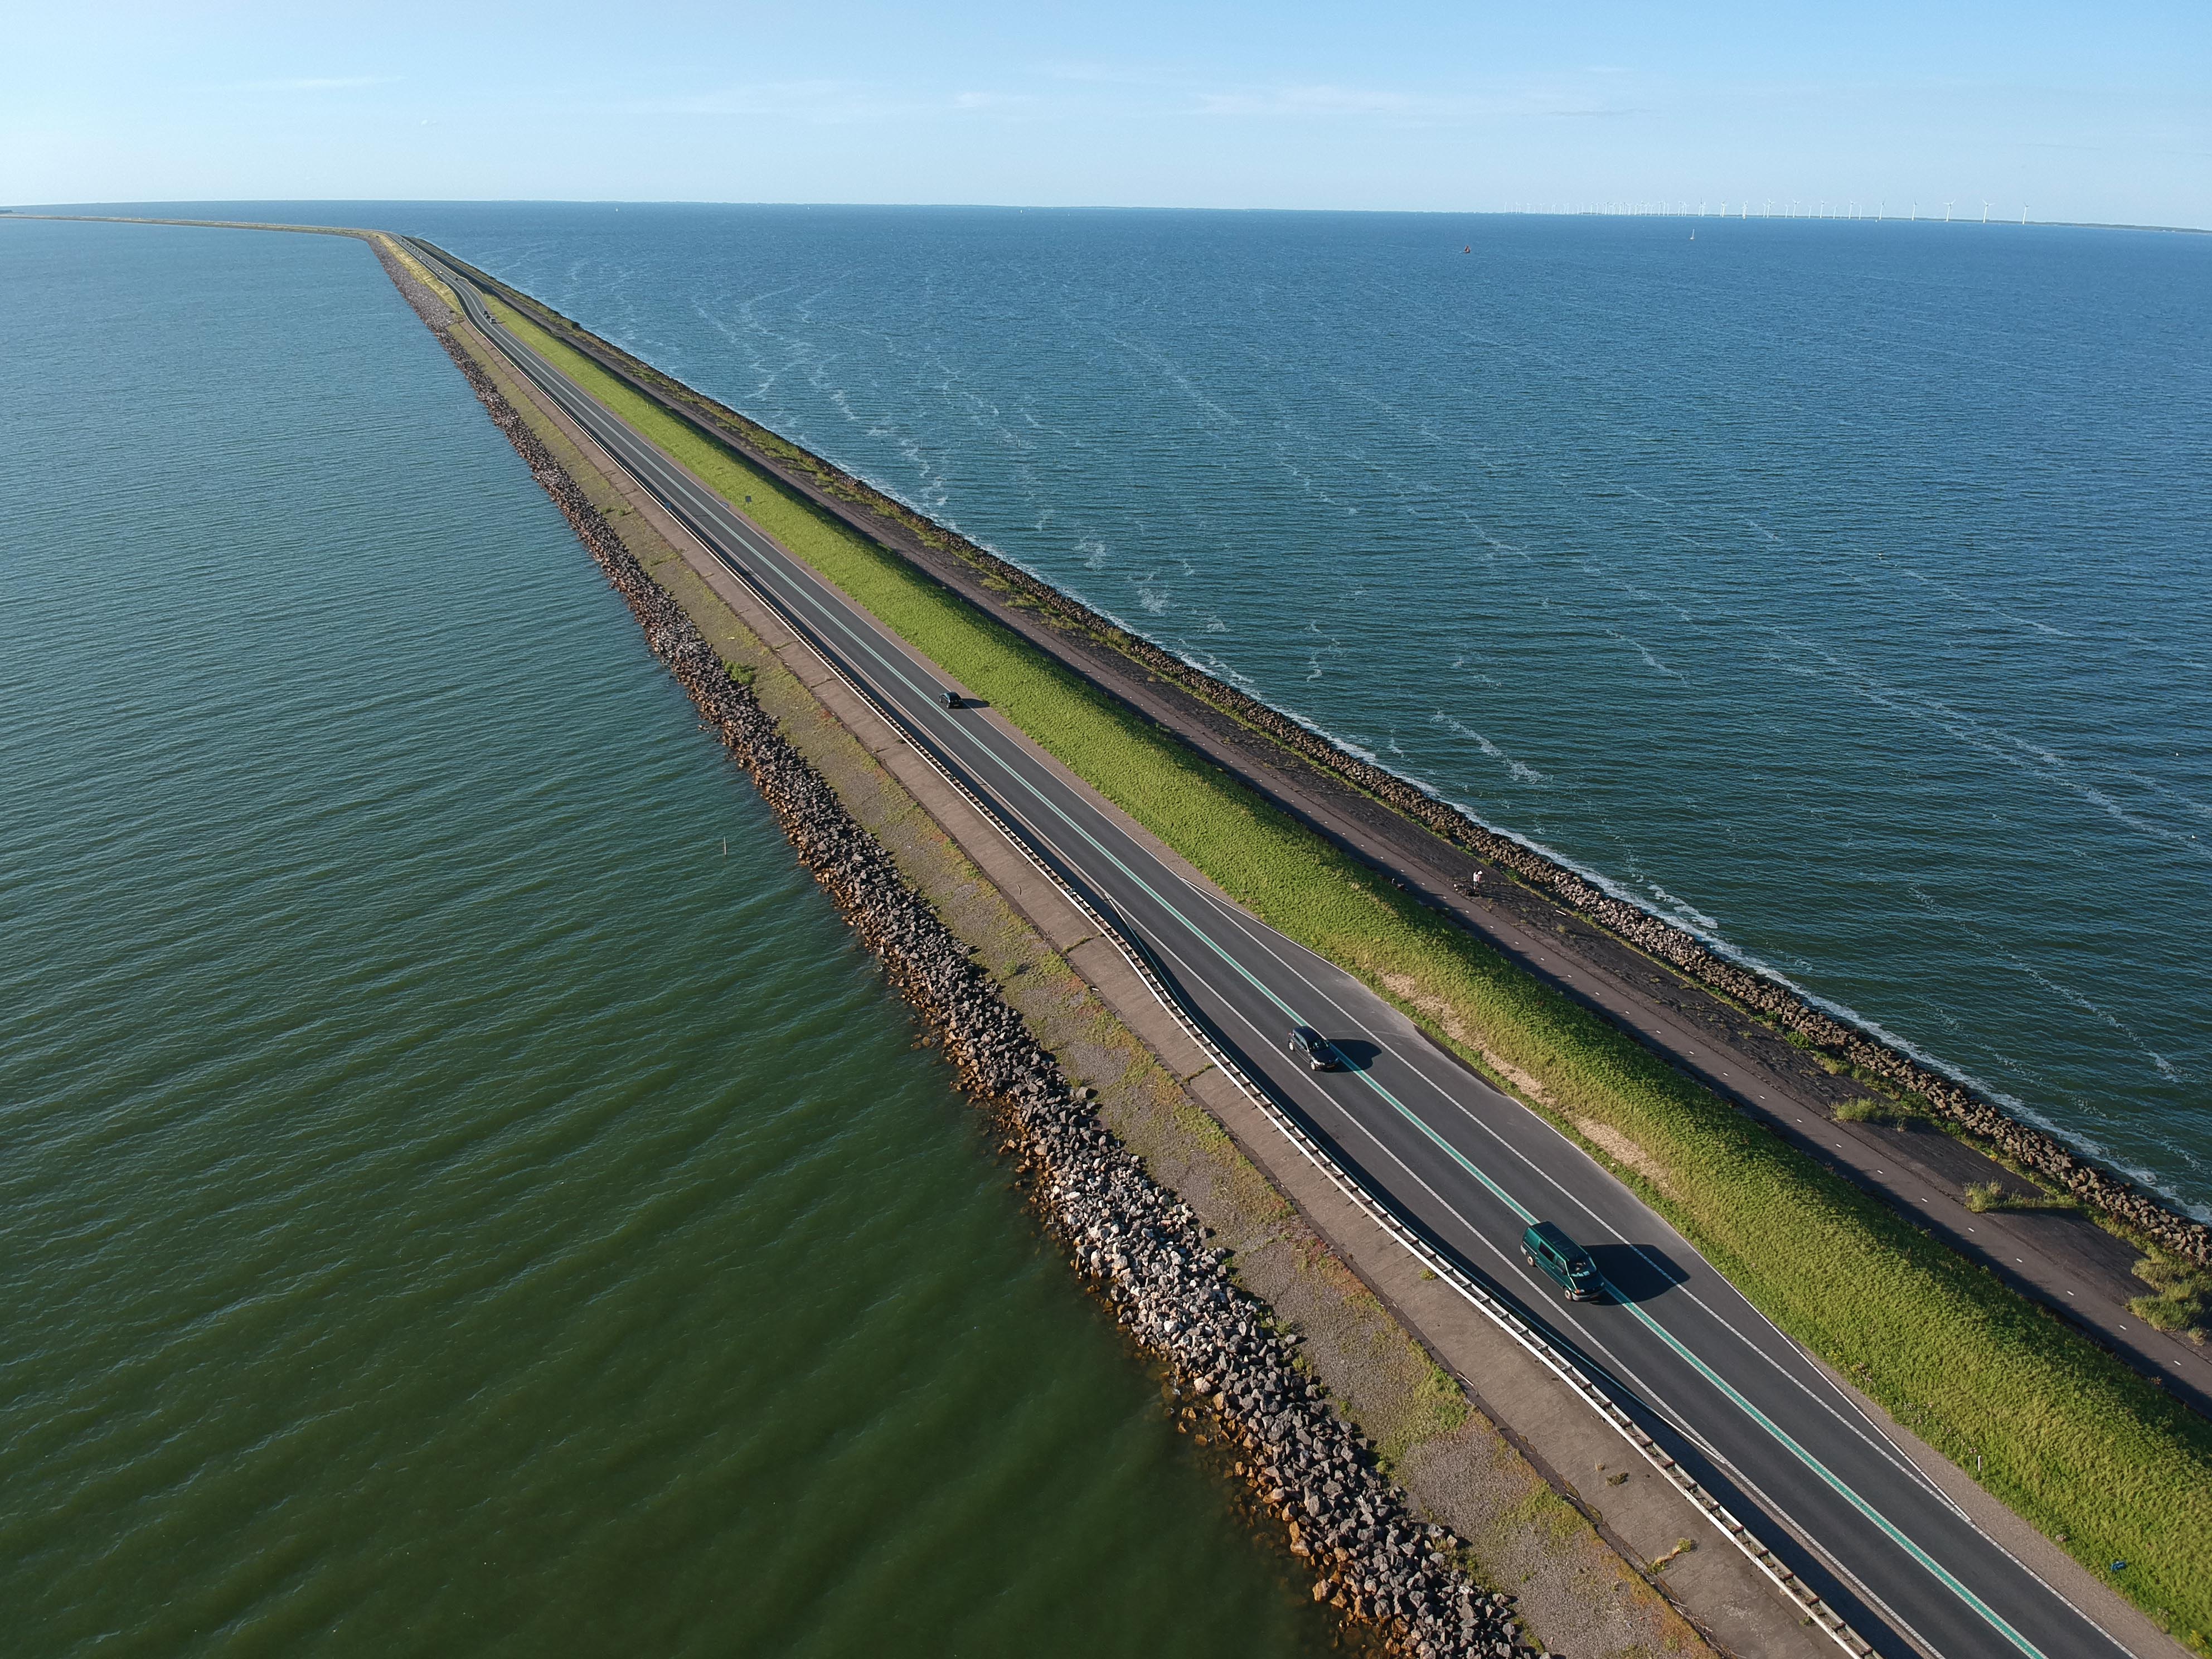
(1636, 1275)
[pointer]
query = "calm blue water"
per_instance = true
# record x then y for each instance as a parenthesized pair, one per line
(1841, 590)
(451, 1206)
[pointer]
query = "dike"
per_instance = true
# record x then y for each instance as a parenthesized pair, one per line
(893, 525)
(1234, 1371)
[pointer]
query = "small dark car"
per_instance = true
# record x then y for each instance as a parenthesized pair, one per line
(1559, 1259)
(949, 699)
(1313, 1047)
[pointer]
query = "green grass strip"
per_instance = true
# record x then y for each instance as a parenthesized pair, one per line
(2070, 1437)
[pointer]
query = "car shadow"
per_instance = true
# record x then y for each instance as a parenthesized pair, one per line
(1356, 1055)
(1636, 1275)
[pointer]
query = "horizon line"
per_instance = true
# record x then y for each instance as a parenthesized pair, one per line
(51, 209)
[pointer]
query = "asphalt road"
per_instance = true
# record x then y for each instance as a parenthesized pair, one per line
(1758, 1423)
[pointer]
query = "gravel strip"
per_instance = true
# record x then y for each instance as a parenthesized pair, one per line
(1234, 1374)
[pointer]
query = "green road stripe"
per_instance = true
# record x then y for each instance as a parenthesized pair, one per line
(1835, 1482)
(1196, 932)
(1780, 1435)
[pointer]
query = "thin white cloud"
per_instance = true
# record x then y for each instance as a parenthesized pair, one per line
(316, 83)
(1308, 100)
(828, 103)
(824, 103)
(1117, 74)
(1400, 108)
(995, 100)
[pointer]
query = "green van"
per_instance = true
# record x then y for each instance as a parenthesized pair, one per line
(1559, 1259)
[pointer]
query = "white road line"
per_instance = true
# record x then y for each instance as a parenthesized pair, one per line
(1871, 1434)
(716, 509)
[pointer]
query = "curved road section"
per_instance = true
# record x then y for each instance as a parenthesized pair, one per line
(1759, 1424)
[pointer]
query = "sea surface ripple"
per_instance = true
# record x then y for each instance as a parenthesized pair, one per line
(1839, 589)
(453, 1207)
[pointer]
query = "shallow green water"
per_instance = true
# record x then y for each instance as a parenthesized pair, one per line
(450, 1206)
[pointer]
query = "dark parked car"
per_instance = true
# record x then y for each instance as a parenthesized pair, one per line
(1312, 1047)
(1559, 1259)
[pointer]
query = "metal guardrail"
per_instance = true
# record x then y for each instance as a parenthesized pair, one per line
(1792, 1588)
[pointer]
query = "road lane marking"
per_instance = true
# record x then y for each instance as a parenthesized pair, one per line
(1942, 1575)
(691, 496)
(1427, 1131)
(1870, 1435)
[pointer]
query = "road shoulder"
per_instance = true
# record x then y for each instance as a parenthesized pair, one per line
(2080, 1274)
(1420, 1373)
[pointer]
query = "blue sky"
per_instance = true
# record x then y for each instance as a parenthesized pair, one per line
(2071, 112)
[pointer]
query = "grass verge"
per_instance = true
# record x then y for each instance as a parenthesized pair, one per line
(1874, 1109)
(1574, 1586)
(2180, 1298)
(414, 267)
(2074, 1440)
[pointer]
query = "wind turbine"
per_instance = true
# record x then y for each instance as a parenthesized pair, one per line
(1947, 213)
(2023, 213)
(1985, 209)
